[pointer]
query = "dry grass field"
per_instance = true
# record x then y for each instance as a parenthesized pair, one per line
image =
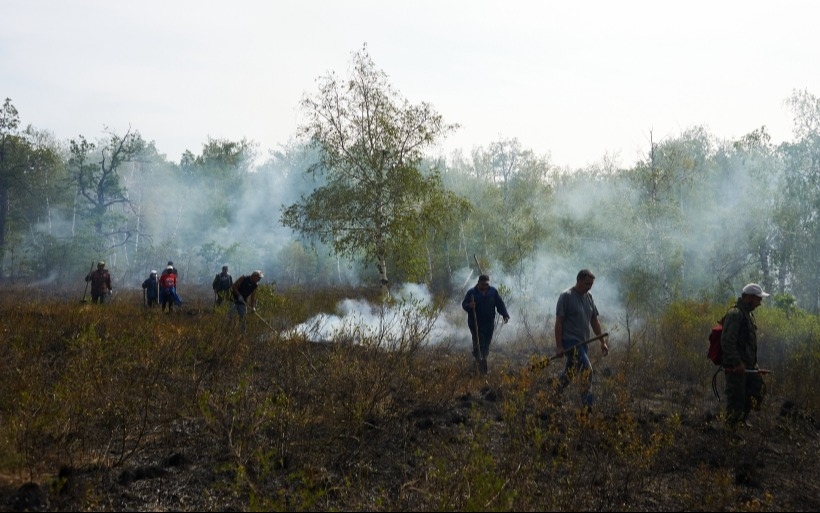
(121, 408)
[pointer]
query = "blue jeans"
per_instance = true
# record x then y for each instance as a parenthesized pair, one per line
(240, 309)
(577, 366)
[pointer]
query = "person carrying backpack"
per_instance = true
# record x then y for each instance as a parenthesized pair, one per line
(174, 292)
(744, 390)
(100, 283)
(222, 285)
(167, 287)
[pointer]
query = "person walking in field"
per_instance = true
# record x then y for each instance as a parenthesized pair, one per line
(151, 288)
(167, 289)
(481, 304)
(222, 286)
(575, 313)
(744, 390)
(170, 269)
(100, 280)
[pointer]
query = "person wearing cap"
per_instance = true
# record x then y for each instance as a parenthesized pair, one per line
(222, 286)
(167, 287)
(243, 292)
(744, 390)
(100, 283)
(481, 303)
(150, 289)
(170, 269)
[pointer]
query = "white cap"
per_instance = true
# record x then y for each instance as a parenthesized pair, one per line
(153, 272)
(755, 290)
(170, 268)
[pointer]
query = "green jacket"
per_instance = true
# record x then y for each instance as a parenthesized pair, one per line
(739, 339)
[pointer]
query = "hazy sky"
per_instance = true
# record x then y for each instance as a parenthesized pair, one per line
(576, 80)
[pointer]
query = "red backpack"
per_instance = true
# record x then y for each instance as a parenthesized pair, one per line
(715, 353)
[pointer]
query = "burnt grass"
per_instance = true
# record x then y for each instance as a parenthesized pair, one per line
(118, 408)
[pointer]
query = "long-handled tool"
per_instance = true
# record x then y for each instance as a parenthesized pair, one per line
(476, 340)
(263, 320)
(480, 271)
(540, 364)
(84, 300)
(730, 371)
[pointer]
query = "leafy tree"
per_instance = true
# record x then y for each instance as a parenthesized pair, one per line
(99, 181)
(376, 202)
(11, 165)
(798, 212)
(211, 187)
(515, 209)
(29, 161)
(750, 169)
(661, 183)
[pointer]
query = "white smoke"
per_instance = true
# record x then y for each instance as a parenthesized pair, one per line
(358, 320)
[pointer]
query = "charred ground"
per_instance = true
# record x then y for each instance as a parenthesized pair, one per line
(126, 410)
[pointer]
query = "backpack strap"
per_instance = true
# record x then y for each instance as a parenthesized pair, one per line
(743, 332)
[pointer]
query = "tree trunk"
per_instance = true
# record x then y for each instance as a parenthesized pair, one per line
(385, 283)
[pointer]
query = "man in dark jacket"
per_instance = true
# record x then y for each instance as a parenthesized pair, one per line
(745, 388)
(481, 303)
(243, 292)
(100, 283)
(222, 285)
(151, 288)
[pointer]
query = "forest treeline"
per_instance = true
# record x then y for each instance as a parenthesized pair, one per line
(358, 196)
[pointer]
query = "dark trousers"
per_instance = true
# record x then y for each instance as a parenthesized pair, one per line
(744, 393)
(481, 347)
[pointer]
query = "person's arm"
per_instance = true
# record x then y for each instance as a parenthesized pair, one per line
(465, 304)
(559, 329)
(596, 328)
(215, 284)
(502, 308)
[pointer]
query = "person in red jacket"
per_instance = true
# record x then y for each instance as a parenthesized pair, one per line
(167, 289)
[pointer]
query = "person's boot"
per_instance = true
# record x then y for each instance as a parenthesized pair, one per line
(482, 366)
